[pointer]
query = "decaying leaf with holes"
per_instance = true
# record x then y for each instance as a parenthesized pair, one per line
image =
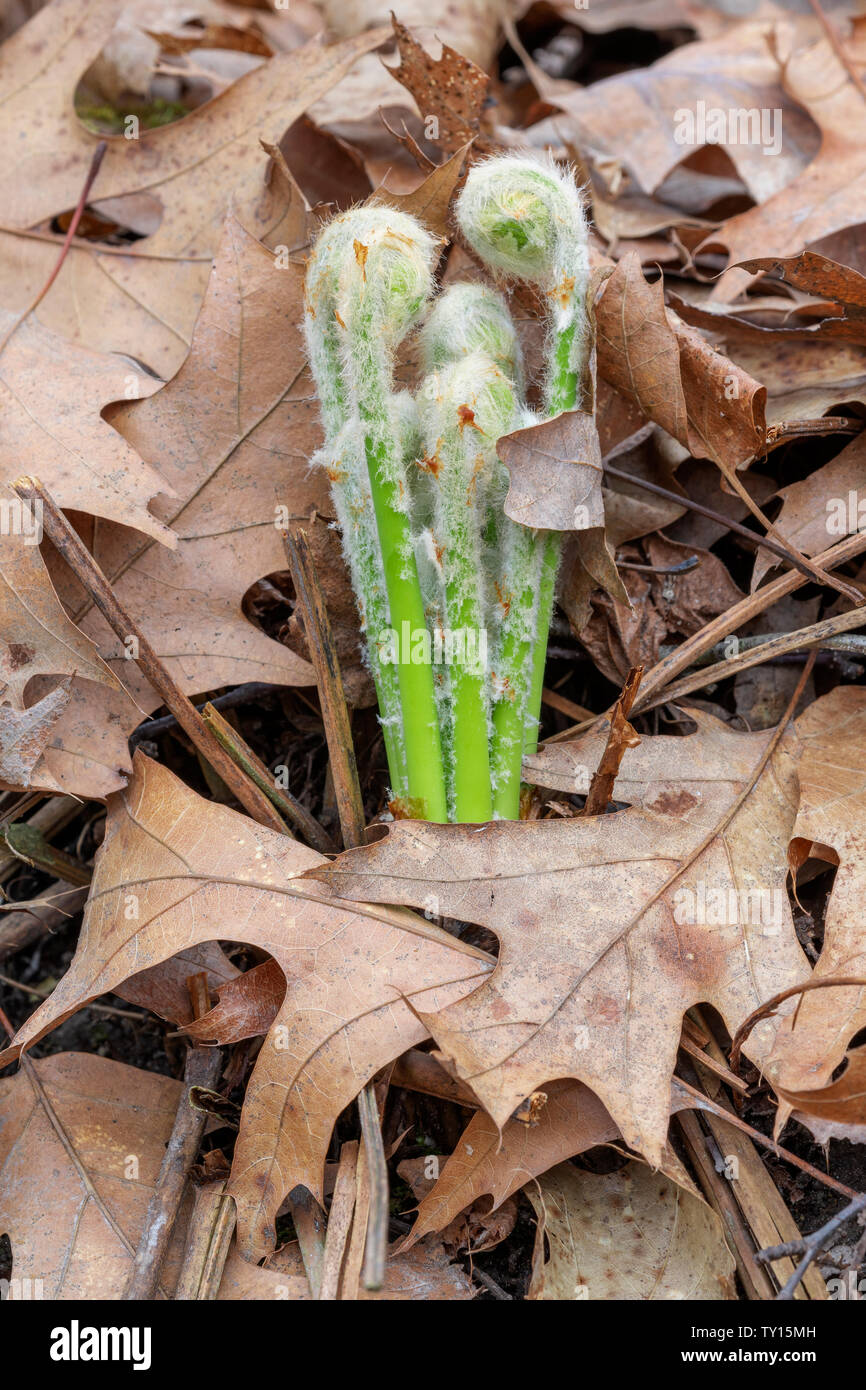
(632, 1235)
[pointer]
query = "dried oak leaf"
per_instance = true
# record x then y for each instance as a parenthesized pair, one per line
(632, 1235)
(840, 1105)
(632, 120)
(475, 1229)
(214, 149)
(817, 275)
(473, 28)
(24, 734)
(622, 635)
(596, 970)
(818, 510)
(713, 407)
(74, 1214)
(36, 636)
(830, 826)
(144, 300)
(805, 377)
(451, 90)
(232, 433)
(424, 1274)
(827, 196)
(163, 988)
(489, 1162)
(431, 201)
(357, 979)
(248, 1005)
(588, 564)
(51, 395)
(555, 473)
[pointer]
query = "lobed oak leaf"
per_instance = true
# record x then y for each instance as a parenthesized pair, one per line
(37, 636)
(175, 871)
(489, 1162)
(214, 150)
(638, 120)
(232, 433)
(144, 298)
(52, 394)
(604, 942)
(839, 1107)
(450, 89)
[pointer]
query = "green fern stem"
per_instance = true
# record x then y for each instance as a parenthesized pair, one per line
(389, 492)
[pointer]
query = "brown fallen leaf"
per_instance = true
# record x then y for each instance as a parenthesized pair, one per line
(605, 15)
(212, 35)
(52, 393)
(424, 1274)
(213, 150)
(36, 636)
(818, 275)
(827, 196)
(232, 433)
(431, 201)
(631, 1235)
(821, 508)
(87, 754)
(472, 27)
(487, 1162)
(673, 374)
(604, 940)
(24, 734)
(805, 378)
(107, 298)
(175, 871)
(620, 636)
(163, 988)
(142, 298)
(474, 1229)
(555, 473)
(248, 1005)
(839, 1103)
(830, 826)
(631, 120)
(327, 553)
(450, 90)
(588, 564)
(79, 1243)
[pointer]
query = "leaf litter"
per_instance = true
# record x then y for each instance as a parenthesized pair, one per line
(540, 1013)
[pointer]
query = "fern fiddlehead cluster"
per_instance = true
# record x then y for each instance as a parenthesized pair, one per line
(455, 598)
